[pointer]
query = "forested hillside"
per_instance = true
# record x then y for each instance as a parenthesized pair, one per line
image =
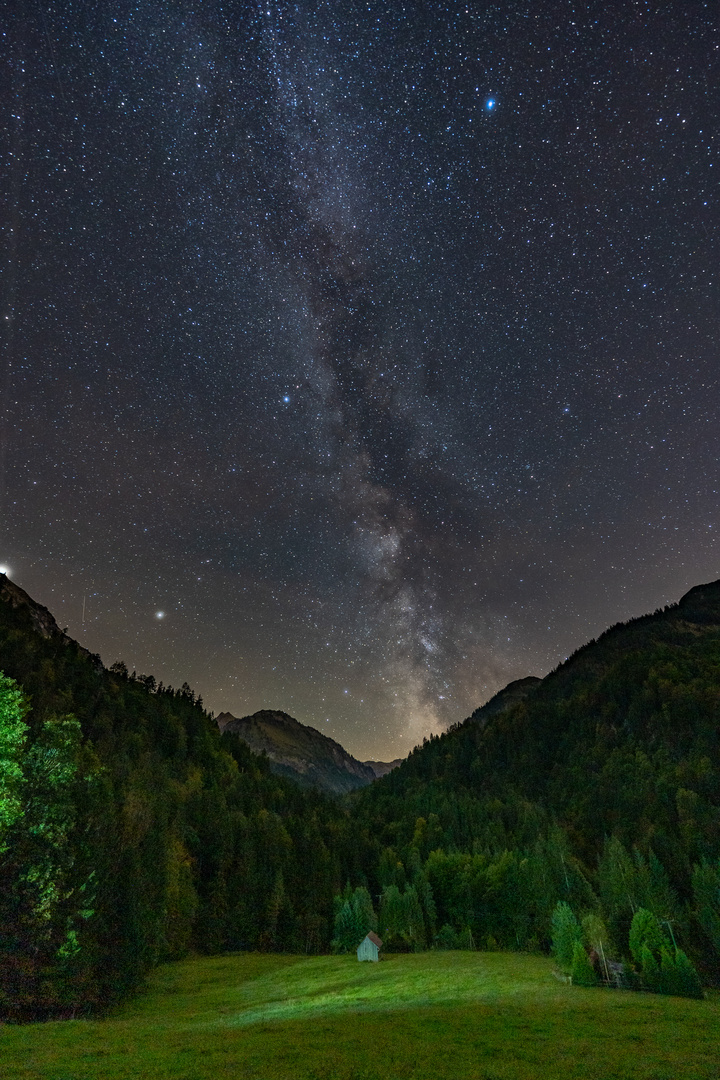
(601, 788)
(131, 831)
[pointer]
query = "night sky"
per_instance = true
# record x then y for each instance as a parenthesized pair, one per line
(359, 357)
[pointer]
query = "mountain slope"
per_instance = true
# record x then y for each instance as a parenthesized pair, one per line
(143, 831)
(40, 618)
(510, 695)
(622, 739)
(299, 751)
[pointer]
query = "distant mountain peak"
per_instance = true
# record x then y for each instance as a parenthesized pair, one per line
(301, 752)
(382, 768)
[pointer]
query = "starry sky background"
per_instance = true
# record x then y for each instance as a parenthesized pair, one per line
(375, 345)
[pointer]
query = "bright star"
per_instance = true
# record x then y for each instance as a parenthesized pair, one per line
(159, 614)
(490, 104)
(286, 399)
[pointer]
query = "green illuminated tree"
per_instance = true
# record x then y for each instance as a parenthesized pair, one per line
(46, 885)
(645, 930)
(583, 973)
(687, 980)
(566, 931)
(13, 738)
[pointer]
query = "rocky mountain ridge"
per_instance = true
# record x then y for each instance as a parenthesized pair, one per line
(303, 753)
(382, 768)
(41, 618)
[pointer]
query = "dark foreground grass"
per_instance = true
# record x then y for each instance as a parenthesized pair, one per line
(429, 1016)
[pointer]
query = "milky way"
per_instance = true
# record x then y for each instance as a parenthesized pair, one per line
(359, 358)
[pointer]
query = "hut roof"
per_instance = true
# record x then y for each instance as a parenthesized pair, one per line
(375, 939)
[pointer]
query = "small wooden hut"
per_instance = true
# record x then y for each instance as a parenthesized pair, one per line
(368, 947)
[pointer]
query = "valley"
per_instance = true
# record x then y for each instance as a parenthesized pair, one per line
(582, 808)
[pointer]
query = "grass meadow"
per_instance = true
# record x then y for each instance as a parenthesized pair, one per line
(426, 1016)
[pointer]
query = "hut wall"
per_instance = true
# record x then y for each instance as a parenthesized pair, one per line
(367, 951)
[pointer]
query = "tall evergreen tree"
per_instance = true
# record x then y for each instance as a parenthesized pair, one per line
(706, 891)
(582, 971)
(566, 932)
(646, 931)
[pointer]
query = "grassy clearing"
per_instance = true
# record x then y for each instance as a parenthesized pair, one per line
(429, 1016)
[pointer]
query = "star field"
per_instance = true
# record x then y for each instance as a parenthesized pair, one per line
(359, 357)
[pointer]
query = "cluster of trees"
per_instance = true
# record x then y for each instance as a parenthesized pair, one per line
(509, 901)
(131, 831)
(585, 950)
(148, 838)
(600, 789)
(354, 918)
(664, 968)
(459, 900)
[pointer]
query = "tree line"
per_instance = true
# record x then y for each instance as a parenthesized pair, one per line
(131, 832)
